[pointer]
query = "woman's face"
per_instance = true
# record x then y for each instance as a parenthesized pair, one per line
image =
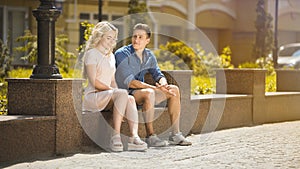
(108, 40)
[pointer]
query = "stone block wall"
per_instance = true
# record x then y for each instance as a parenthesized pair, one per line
(287, 80)
(61, 98)
(26, 137)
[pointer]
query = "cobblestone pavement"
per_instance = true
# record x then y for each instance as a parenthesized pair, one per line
(265, 146)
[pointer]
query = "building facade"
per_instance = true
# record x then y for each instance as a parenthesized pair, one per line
(211, 23)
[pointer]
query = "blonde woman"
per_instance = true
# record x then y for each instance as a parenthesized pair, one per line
(102, 91)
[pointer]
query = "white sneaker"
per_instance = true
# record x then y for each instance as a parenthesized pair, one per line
(154, 141)
(178, 139)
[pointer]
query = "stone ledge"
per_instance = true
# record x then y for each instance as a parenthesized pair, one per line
(219, 96)
(281, 93)
(28, 80)
(4, 119)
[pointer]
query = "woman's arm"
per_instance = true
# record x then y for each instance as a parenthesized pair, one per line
(91, 74)
(114, 83)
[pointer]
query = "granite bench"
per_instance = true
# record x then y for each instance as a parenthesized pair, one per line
(97, 125)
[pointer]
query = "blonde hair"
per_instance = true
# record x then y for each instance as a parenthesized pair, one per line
(97, 33)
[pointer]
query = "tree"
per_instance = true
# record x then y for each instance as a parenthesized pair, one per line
(264, 34)
(64, 59)
(135, 6)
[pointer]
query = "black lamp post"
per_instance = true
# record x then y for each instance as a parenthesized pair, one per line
(46, 15)
(100, 10)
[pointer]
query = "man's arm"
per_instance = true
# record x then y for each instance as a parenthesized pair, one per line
(136, 84)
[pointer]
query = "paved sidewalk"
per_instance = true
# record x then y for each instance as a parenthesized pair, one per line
(265, 146)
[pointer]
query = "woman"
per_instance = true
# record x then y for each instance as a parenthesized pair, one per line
(102, 91)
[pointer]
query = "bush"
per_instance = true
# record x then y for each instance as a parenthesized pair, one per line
(178, 56)
(203, 85)
(264, 63)
(181, 57)
(3, 97)
(5, 61)
(63, 59)
(20, 73)
(270, 83)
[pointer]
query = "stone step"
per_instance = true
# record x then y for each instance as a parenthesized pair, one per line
(25, 137)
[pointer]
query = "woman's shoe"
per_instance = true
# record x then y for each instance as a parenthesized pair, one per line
(116, 143)
(136, 144)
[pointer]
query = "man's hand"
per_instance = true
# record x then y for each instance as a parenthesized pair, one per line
(165, 88)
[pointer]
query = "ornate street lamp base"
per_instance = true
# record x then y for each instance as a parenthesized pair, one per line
(45, 72)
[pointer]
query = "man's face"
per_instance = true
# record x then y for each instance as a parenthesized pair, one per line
(139, 39)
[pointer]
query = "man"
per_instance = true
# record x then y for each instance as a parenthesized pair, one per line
(133, 62)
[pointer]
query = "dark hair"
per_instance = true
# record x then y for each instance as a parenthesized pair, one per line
(144, 27)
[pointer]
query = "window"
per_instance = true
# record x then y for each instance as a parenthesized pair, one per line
(103, 17)
(84, 16)
(14, 20)
(117, 17)
(116, 20)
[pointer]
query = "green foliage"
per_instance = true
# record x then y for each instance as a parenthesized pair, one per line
(25, 73)
(3, 97)
(264, 63)
(179, 56)
(29, 48)
(72, 73)
(20, 73)
(137, 11)
(5, 59)
(270, 83)
(3, 105)
(248, 65)
(226, 58)
(63, 59)
(88, 27)
(167, 65)
(135, 6)
(203, 85)
(206, 62)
